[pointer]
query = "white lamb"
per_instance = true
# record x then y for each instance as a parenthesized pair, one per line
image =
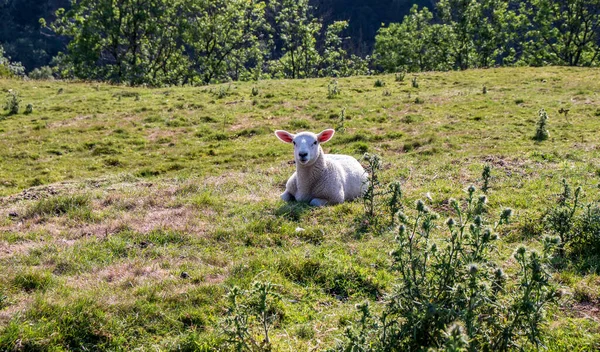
(321, 178)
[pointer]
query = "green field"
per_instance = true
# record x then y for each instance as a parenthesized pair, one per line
(127, 214)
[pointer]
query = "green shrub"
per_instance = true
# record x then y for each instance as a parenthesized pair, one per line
(379, 83)
(29, 109)
(42, 73)
(400, 76)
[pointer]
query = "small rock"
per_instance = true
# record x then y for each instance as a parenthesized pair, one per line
(184, 275)
(299, 229)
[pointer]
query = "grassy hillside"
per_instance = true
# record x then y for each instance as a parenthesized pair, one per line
(127, 214)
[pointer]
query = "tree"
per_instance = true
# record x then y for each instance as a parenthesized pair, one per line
(296, 31)
(9, 68)
(415, 44)
(223, 37)
(132, 41)
(565, 32)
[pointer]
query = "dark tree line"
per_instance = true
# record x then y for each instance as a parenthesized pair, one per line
(160, 42)
(461, 34)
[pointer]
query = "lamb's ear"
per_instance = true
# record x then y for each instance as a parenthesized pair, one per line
(325, 135)
(284, 136)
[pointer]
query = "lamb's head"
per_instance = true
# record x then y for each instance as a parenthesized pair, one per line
(307, 145)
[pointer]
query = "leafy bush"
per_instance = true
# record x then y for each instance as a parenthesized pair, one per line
(450, 294)
(9, 68)
(29, 109)
(42, 73)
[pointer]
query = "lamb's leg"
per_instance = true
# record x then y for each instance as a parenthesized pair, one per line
(287, 197)
(290, 189)
(317, 202)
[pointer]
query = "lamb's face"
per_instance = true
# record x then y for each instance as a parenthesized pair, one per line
(306, 144)
(306, 148)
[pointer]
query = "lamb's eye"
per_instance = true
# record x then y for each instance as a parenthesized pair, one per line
(315, 143)
(294, 142)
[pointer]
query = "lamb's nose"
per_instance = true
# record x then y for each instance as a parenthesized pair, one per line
(303, 155)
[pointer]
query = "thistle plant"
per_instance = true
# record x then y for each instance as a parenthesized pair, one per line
(255, 91)
(379, 83)
(400, 76)
(565, 113)
(12, 102)
(340, 127)
(333, 89)
(541, 133)
(561, 219)
(415, 83)
(450, 294)
(29, 109)
(250, 316)
(379, 198)
(372, 188)
(486, 175)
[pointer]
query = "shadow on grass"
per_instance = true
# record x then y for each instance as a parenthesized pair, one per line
(293, 210)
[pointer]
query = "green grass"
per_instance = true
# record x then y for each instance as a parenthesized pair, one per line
(114, 192)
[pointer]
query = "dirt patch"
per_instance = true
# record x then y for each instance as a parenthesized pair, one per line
(509, 166)
(8, 250)
(588, 310)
